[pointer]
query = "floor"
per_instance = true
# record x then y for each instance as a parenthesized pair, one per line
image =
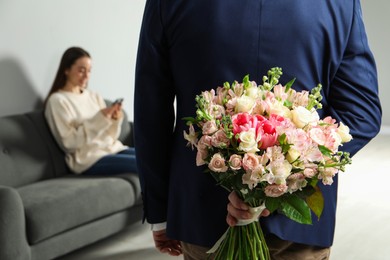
(362, 230)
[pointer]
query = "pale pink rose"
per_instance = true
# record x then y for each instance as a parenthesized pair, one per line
(296, 182)
(275, 190)
(235, 162)
(250, 161)
(219, 139)
(191, 137)
(217, 163)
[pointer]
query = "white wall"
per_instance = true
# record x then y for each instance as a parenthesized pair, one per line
(34, 34)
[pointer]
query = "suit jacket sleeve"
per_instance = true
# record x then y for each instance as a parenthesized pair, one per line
(353, 97)
(153, 114)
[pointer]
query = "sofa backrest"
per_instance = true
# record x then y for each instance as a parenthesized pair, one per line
(26, 151)
(29, 152)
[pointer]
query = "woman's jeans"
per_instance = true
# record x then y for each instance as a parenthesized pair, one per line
(122, 162)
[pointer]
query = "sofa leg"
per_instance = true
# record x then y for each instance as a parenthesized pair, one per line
(13, 241)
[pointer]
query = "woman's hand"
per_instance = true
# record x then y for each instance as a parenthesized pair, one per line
(114, 111)
(238, 209)
(166, 245)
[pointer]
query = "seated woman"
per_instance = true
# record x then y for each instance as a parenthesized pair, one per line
(84, 127)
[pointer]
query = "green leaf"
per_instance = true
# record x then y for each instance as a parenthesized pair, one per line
(325, 151)
(289, 84)
(189, 120)
(272, 204)
(245, 81)
(316, 202)
(296, 209)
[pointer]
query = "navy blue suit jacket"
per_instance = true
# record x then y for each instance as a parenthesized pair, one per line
(188, 46)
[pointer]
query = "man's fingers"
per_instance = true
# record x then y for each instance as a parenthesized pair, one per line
(237, 202)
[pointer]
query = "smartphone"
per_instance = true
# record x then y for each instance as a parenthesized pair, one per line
(118, 101)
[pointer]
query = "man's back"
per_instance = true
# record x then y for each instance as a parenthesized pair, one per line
(190, 46)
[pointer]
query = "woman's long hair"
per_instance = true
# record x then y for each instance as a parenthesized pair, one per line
(68, 59)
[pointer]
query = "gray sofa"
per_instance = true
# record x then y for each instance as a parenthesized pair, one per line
(46, 211)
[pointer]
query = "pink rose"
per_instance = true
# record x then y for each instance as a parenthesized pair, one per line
(250, 161)
(275, 190)
(235, 162)
(217, 163)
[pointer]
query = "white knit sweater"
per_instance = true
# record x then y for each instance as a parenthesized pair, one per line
(81, 129)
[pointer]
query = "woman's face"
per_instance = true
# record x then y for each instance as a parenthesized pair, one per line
(78, 74)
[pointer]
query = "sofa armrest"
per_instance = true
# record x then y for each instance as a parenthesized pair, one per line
(13, 241)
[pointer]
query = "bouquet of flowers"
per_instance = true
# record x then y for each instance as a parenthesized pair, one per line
(266, 143)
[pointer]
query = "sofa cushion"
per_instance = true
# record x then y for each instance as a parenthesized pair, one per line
(56, 205)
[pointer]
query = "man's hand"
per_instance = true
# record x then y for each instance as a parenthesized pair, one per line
(237, 209)
(166, 245)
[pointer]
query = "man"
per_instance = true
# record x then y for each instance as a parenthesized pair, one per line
(187, 47)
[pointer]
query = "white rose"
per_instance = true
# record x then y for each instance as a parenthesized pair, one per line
(343, 131)
(245, 104)
(302, 117)
(279, 109)
(248, 141)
